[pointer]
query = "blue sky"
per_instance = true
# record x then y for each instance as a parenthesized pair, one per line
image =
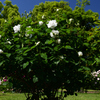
(29, 4)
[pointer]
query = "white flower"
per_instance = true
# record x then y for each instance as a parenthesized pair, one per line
(62, 57)
(43, 17)
(57, 62)
(98, 72)
(98, 78)
(58, 41)
(70, 20)
(40, 22)
(27, 35)
(1, 51)
(57, 10)
(28, 26)
(37, 43)
(5, 20)
(52, 24)
(0, 36)
(56, 32)
(94, 73)
(16, 28)
(80, 53)
(9, 42)
(77, 24)
(53, 33)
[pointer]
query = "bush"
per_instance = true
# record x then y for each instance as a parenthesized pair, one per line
(43, 54)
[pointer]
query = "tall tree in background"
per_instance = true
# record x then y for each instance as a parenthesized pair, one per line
(83, 3)
(8, 11)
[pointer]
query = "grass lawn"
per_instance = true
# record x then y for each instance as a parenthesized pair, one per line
(84, 96)
(81, 96)
(12, 96)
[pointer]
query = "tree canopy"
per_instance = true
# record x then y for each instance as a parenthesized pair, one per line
(8, 11)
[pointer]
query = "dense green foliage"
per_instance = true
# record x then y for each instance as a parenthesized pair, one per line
(8, 11)
(55, 48)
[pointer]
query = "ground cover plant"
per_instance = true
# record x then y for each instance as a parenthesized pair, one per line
(51, 48)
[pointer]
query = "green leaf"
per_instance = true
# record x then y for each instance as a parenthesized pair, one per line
(84, 68)
(86, 44)
(35, 79)
(48, 41)
(83, 59)
(44, 56)
(25, 64)
(68, 31)
(56, 48)
(1, 63)
(48, 30)
(30, 48)
(19, 58)
(5, 83)
(40, 33)
(97, 60)
(98, 40)
(16, 39)
(68, 47)
(29, 70)
(8, 55)
(18, 46)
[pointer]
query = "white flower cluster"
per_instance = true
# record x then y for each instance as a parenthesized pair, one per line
(52, 24)
(96, 74)
(80, 54)
(53, 33)
(16, 28)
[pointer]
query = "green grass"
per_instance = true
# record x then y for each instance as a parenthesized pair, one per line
(84, 96)
(12, 96)
(81, 96)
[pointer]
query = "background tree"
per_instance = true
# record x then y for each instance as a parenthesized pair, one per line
(83, 3)
(8, 11)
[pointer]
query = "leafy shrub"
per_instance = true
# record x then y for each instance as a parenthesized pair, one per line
(45, 53)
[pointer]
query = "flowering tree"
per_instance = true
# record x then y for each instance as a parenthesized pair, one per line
(51, 50)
